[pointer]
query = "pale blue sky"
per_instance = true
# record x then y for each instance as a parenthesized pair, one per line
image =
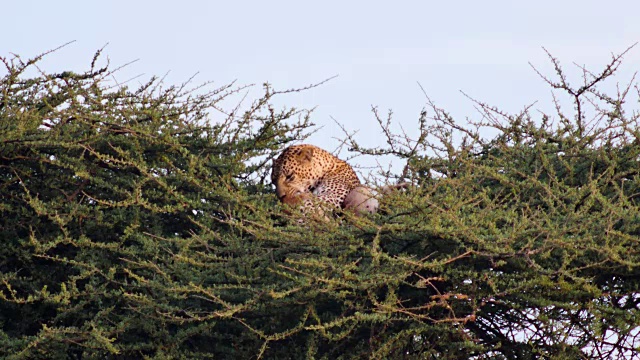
(379, 49)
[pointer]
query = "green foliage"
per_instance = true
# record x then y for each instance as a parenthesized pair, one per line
(136, 226)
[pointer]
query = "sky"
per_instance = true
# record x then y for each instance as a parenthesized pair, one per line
(379, 50)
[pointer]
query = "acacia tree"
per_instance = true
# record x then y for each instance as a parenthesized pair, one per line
(135, 226)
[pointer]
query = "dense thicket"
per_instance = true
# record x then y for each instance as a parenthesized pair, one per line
(137, 223)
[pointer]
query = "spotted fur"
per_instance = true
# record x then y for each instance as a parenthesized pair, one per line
(302, 170)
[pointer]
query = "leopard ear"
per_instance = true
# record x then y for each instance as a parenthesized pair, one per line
(305, 155)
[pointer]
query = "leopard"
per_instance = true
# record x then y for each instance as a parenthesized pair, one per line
(304, 172)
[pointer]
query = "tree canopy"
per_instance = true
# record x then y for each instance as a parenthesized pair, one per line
(133, 225)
